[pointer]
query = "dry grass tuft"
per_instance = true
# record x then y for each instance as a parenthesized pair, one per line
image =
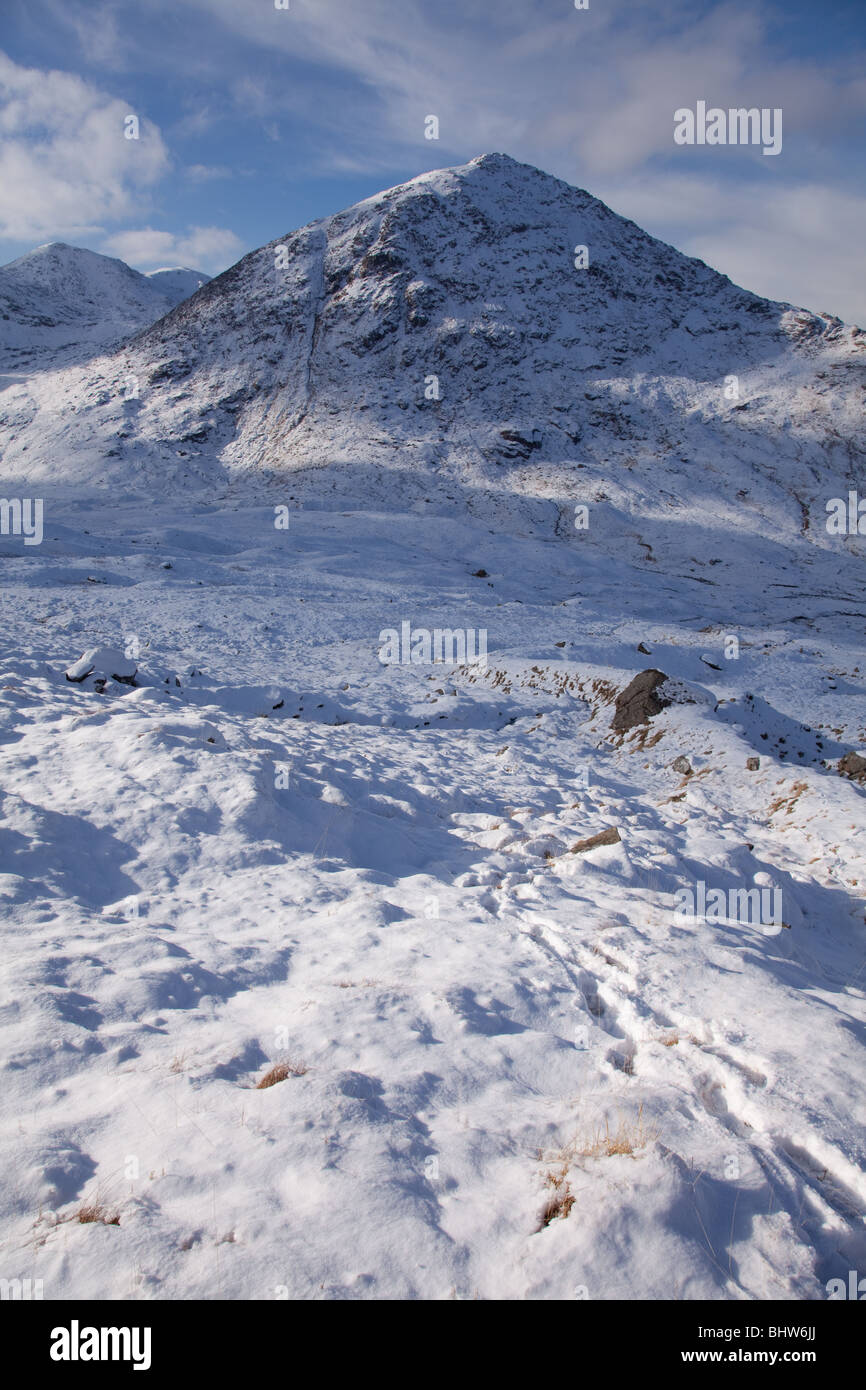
(281, 1071)
(628, 1137)
(97, 1212)
(561, 1200)
(787, 803)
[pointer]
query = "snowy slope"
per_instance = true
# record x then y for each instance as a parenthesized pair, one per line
(511, 1066)
(60, 302)
(274, 849)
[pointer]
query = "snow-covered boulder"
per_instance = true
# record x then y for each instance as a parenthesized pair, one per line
(103, 664)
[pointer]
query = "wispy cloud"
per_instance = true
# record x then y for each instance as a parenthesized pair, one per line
(598, 87)
(205, 173)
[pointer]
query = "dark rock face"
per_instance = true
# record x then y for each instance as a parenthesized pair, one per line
(520, 442)
(639, 701)
(853, 765)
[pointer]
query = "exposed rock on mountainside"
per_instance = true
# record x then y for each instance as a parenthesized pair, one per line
(853, 765)
(639, 701)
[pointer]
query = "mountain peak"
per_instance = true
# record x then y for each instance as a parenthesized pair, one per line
(481, 318)
(176, 270)
(493, 172)
(496, 162)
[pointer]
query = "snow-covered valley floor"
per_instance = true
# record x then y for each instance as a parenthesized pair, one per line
(513, 1070)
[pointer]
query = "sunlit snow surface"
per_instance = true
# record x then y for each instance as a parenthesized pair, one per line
(277, 848)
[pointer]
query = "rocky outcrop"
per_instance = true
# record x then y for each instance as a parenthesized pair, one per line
(853, 765)
(639, 701)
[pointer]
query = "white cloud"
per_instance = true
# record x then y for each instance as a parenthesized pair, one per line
(201, 248)
(801, 243)
(65, 163)
(97, 26)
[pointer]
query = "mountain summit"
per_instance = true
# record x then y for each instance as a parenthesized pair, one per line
(487, 323)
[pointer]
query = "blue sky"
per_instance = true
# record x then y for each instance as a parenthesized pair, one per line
(256, 120)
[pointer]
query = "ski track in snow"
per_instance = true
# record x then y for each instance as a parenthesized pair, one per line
(466, 1004)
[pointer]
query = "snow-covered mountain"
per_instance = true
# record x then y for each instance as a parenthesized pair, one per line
(177, 282)
(442, 329)
(59, 303)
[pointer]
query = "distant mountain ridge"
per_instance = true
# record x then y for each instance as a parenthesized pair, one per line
(177, 282)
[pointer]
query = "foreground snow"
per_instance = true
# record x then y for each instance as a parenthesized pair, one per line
(276, 849)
